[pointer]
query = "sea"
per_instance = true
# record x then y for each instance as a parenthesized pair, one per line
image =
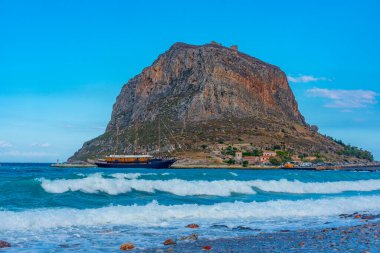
(44, 209)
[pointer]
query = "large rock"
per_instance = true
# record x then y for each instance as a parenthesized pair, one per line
(206, 95)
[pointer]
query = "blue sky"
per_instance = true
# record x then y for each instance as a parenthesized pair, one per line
(62, 63)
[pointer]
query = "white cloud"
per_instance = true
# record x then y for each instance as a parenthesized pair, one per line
(4, 144)
(306, 79)
(345, 98)
(41, 145)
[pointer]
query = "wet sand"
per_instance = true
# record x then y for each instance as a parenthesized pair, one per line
(362, 238)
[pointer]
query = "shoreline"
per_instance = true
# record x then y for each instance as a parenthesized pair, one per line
(349, 167)
(356, 167)
(222, 166)
(357, 238)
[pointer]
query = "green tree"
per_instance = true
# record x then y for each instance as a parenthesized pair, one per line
(318, 160)
(255, 152)
(229, 151)
(353, 151)
(231, 161)
(303, 156)
(275, 161)
(283, 155)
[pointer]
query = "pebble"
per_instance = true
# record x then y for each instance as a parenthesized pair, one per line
(127, 246)
(207, 247)
(193, 225)
(169, 242)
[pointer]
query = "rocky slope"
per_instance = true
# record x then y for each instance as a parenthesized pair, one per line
(202, 96)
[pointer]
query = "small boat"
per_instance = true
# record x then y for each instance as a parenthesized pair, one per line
(135, 161)
(288, 166)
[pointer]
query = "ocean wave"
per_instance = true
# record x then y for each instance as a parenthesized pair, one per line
(131, 175)
(96, 183)
(123, 183)
(298, 187)
(154, 214)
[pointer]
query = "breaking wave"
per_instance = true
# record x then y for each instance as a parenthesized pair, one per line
(154, 214)
(130, 175)
(299, 187)
(96, 183)
(124, 183)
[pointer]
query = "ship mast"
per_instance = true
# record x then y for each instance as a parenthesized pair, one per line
(135, 149)
(159, 137)
(117, 139)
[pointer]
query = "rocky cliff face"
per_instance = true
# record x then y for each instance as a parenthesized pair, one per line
(200, 83)
(206, 95)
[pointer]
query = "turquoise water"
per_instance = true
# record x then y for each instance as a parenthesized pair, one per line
(54, 209)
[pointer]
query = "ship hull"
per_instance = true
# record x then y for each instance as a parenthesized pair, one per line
(162, 164)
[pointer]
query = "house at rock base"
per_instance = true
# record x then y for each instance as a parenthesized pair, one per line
(267, 154)
(252, 159)
(239, 157)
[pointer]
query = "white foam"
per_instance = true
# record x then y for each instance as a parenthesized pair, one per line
(124, 183)
(298, 187)
(154, 214)
(127, 176)
(131, 175)
(234, 174)
(96, 183)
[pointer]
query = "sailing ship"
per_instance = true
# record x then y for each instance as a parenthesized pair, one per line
(136, 160)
